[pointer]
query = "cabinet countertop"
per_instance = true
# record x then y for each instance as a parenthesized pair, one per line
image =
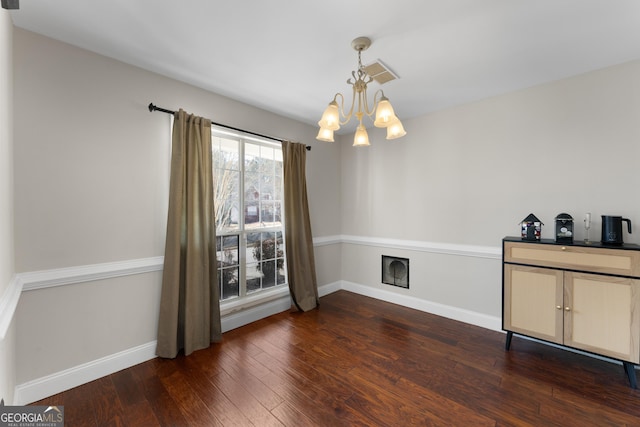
(580, 243)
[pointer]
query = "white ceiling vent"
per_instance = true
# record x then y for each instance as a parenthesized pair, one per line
(380, 72)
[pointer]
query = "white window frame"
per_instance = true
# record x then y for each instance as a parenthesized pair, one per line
(244, 299)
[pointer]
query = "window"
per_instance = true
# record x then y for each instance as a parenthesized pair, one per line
(248, 208)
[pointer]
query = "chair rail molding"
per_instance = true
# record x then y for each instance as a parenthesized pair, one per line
(87, 273)
(476, 251)
(34, 280)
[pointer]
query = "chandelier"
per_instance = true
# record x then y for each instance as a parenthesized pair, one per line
(384, 114)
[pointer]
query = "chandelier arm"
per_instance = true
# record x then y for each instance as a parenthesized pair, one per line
(367, 111)
(347, 116)
(376, 101)
(340, 106)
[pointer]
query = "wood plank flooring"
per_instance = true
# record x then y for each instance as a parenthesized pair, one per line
(358, 361)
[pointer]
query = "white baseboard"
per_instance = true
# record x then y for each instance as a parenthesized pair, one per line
(455, 313)
(329, 288)
(58, 382)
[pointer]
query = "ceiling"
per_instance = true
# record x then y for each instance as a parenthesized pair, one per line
(292, 56)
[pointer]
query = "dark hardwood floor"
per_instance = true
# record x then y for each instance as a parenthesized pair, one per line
(358, 361)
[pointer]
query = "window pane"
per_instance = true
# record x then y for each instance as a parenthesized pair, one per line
(268, 246)
(226, 181)
(279, 241)
(253, 247)
(277, 192)
(248, 199)
(268, 269)
(228, 266)
(272, 259)
(231, 249)
(251, 150)
(251, 200)
(282, 273)
(267, 153)
(268, 213)
(229, 282)
(226, 153)
(226, 200)
(254, 277)
(227, 250)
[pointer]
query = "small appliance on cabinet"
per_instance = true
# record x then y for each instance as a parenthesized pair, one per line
(612, 229)
(564, 228)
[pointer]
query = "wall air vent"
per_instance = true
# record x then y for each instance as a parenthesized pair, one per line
(395, 271)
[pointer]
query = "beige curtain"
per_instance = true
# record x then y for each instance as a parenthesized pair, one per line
(301, 268)
(189, 304)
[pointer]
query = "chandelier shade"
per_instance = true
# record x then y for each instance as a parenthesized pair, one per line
(325, 134)
(395, 129)
(385, 117)
(362, 137)
(384, 113)
(331, 117)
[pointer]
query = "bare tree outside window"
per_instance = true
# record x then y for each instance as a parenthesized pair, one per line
(226, 183)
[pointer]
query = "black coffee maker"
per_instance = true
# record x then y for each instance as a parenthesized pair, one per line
(612, 229)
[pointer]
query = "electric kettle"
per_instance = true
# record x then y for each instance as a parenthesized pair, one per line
(612, 229)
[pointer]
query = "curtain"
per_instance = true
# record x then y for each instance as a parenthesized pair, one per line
(189, 304)
(301, 268)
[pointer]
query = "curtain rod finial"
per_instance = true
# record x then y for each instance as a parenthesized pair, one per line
(151, 107)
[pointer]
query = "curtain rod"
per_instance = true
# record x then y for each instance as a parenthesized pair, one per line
(153, 108)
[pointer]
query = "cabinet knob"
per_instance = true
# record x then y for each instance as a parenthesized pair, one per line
(559, 307)
(567, 309)
(564, 248)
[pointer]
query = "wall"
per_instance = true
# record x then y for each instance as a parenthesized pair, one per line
(8, 283)
(91, 183)
(91, 175)
(463, 178)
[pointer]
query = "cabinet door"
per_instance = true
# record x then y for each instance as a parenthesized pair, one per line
(533, 302)
(602, 316)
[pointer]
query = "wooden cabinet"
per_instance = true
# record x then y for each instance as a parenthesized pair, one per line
(581, 296)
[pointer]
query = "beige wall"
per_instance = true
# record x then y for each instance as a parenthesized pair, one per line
(92, 162)
(7, 346)
(67, 326)
(91, 183)
(468, 175)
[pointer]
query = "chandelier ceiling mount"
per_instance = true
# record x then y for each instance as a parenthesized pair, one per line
(361, 43)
